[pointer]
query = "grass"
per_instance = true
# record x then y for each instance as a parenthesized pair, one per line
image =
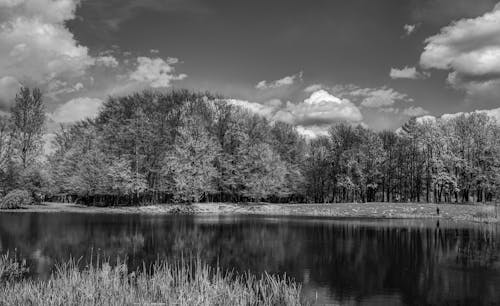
(164, 283)
(486, 214)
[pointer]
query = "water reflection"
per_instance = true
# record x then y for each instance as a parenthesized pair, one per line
(389, 262)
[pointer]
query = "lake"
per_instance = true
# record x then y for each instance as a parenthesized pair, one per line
(346, 261)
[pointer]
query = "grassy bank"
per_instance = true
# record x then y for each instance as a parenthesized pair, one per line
(459, 212)
(167, 284)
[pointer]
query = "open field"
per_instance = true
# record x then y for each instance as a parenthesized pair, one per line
(463, 212)
(166, 284)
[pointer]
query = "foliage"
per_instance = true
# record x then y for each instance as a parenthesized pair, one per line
(16, 198)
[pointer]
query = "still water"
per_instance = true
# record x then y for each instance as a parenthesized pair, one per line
(347, 261)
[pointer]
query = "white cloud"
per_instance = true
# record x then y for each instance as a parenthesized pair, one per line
(35, 43)
(323, 108)
(409, 28)
(156, 71)
(426, 119)
(406, 73)
(313, 87)
(51, 11)
(107, 61)
(469, 49)
(320, 109)
(415, 111)
(379, 97)
(285, 81)
(312, 131)
(76, 109)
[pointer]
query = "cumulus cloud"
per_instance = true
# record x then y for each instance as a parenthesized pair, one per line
(76, 109)
(35, 43)
(107, 61)
(406, 73)
(470, 50)
(285, 81)
(415, 111)
(320, 109)
(156, 71)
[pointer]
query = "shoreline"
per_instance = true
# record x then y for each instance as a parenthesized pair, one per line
(372, 210)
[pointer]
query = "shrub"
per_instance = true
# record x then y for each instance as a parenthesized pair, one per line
(16, 199)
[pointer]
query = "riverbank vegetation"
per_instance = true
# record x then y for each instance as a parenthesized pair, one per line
(182, 146)
(171, 284)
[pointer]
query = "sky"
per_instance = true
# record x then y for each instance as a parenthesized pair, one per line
(308, 63)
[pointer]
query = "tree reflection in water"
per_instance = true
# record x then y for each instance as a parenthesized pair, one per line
(403, 262)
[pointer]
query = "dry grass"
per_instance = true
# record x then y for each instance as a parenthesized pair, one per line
(167, 284)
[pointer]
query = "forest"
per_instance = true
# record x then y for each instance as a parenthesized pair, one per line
(181, 146)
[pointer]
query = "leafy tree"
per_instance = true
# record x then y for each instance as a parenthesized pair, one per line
(189, 166)
(28, 117)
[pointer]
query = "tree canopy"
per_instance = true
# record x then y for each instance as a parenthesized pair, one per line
(184, 146)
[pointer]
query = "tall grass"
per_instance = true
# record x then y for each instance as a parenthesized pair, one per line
(191, 283)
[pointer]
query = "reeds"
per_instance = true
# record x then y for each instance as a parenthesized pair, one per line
(182, 283)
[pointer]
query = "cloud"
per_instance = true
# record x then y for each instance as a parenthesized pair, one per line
(76, 109)
(257, 108)
(107, 61)
(370, 97)
(285, 81)
(426, 119)
(312, 131)
(469, 49)
(319, 109)
(35, 43)
(415, 111)
(379, 97)
(156, 71)
(407, 73)
(313, 87)
(409, 29)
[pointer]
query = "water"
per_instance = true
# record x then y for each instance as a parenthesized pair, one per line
(349, 261)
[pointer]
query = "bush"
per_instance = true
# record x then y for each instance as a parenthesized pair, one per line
(16, 199)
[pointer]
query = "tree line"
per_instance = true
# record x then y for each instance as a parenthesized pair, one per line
(184, 146)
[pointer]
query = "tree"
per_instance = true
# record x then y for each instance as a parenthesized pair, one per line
(189, 166)
(28, 117)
